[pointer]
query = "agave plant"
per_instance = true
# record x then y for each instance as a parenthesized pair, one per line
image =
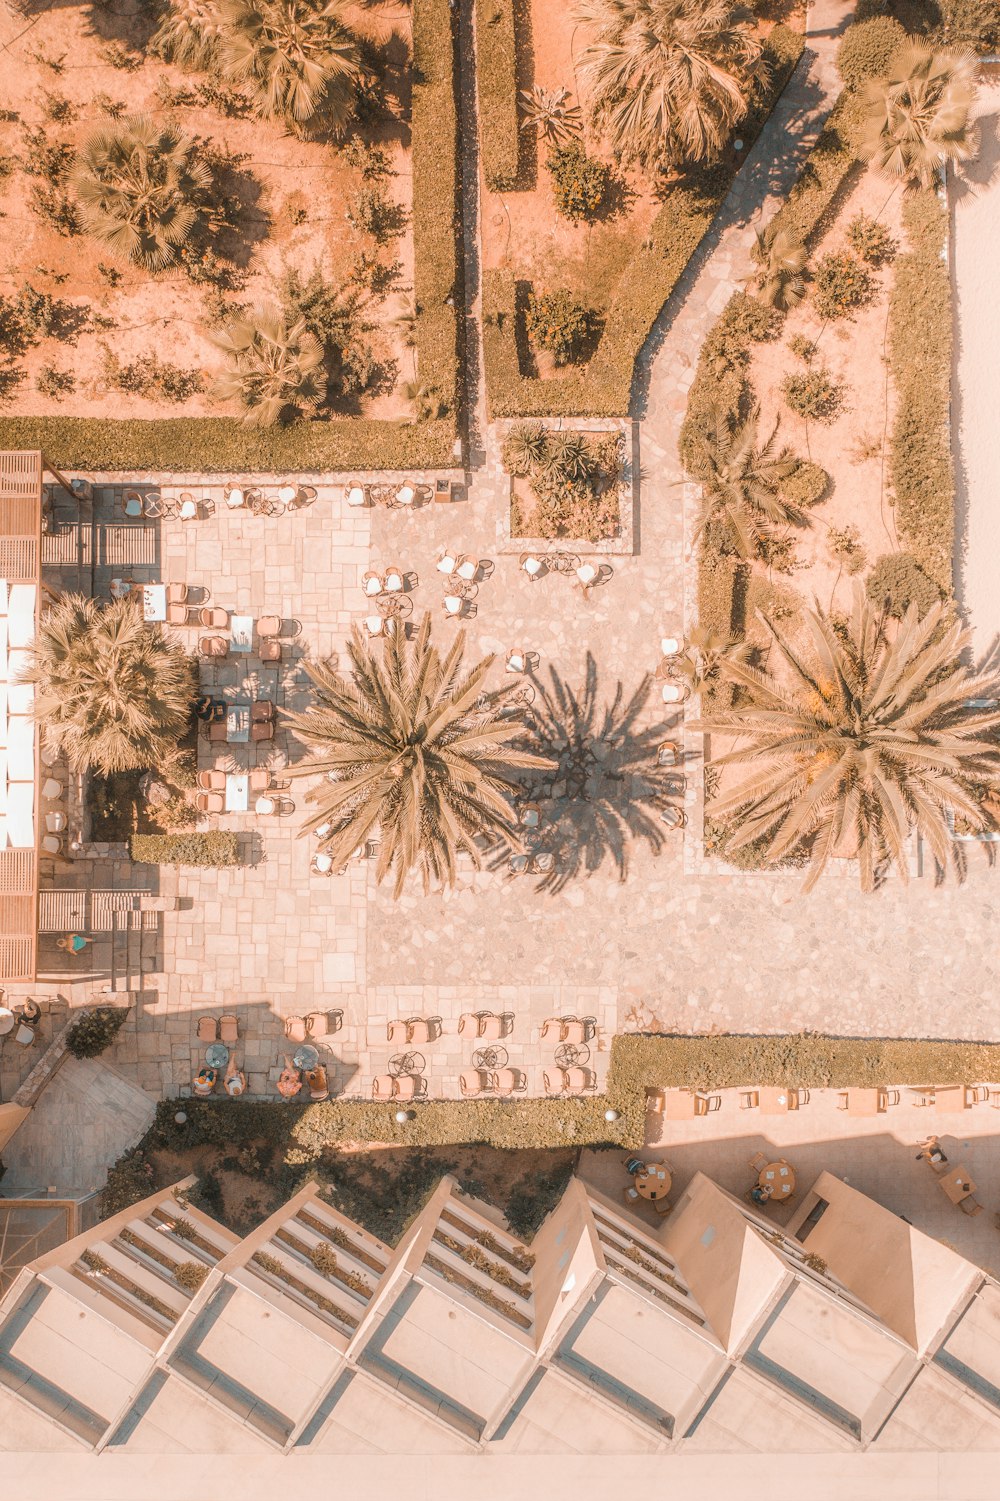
(568, 457)
(742, 478)
(141, 189)
(189, 33)
(879, 732)
(415, 748)
(917, 119)
(668, 79)
(781, 259)
(551, 113)
(525, 447)
(274, 365)
(112, 692)
(298, 61)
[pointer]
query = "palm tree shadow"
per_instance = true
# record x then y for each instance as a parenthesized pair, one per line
(603, 790)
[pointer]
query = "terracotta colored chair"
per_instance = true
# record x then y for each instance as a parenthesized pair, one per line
(261, 730)
(295, 1028)
(579, 1080)
(212, 781)
(468, 1025)
(215, 733)
(177, 594)
(322, 1024)
(554, 1080)
(492, 1028)
(210, 802)
(269, 651)
(213, 646)
(419, 1030)
(214, 618)
(397, 1031)
(473, 1081)
(260, 779)
(262, 710)
(576, 1031)
(408, 1086)
(509, 1080)
(552, 1029)
(269, 625)
(208, 1029)
(384, 1087)
(229, 1029)
(177, 615)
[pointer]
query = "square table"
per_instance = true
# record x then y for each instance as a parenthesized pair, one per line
(680, 1105)
(957, 1183)
(237, 791)
(238, 723)
(778, 1101)
(154, 601)
(863, 1101)
(241, 632)
(950, 1098)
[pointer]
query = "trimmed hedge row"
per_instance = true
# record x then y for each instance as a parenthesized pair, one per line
(807, 208)
(920, 350)
(604, 388)
(496, 78)
(217, 847)
(224, 444)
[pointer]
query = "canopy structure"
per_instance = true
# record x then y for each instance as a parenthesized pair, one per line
(21, 476)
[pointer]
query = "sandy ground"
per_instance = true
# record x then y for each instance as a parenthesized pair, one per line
(976, 401)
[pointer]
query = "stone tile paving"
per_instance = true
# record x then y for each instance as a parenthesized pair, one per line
(668, 947)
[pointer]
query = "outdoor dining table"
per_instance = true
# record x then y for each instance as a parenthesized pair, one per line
(7, 1020)
(237, 791)
(241, 632)
(154, 601)
(653, 1181)
(306, 1056)
(217, 1055)
(779, 1178)
(951, 1097)
(957, 1183)
(238, 723)
(864, 1101)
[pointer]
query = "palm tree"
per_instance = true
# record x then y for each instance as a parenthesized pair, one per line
(704, 652)
(415, 748)
(189, 33)
(112, 692)
(297, 60)
(742, 478)
(427, 401)
(274, 365)
(917, 120)
(879, 733)
(668, 79)
(550, 112)
(141, 189)
(781, 259)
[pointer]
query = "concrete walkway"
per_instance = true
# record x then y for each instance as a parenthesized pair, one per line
(976, 414)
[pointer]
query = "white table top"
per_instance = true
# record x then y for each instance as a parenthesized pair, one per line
(7, 1020)
(154, 601)
(241, 632)
(238, 723)
(237, 791)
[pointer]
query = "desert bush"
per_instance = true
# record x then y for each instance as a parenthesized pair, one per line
(868, 49)
(95, 1031)
(57, 108)
(575, 480)
(298, 61)
(372, 161)
(897, 581)
(813, 394)
(807, 485)
(841, 285)
(55, 208)
(975, 23)
(40, 157)
(372, 212)
(846, 548)
(579, 182)
(150, 377)
(334, 315)
(803, 348)
(55, 383)
(273, 365)
(871, 240)
(216, 848)
(557, 322)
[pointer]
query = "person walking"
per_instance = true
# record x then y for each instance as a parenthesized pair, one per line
(74, 943)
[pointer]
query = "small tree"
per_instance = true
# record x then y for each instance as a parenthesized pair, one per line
(274, 366)
(298, 61)
(917, 119)
(782, 260)
(189, 33)
(95, 1031)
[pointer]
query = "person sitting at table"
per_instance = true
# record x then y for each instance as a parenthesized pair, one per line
(290, 1080)
(235, 1081)
(931, 1151)
(761, 1192)
(205, 707)
(204, 1080)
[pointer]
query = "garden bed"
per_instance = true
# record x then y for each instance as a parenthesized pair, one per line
(599, 521)
(374, 213)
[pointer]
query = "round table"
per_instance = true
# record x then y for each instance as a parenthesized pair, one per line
(406, 1063)
(7, 1020)
(779, 1178)
(653, 1182)
(306, 1057)
(217, 1055)
(494, 1057)
(568, 1054)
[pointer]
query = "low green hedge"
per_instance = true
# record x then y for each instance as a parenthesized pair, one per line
(920, 352)
(604, 388)
(496, 77)
(806, 210)
(217, 847)
(222, 444)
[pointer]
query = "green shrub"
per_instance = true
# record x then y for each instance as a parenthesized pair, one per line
(810, 203)
(813, 394)
(215, 848)
(557, 322)
(976, 23)
(920, 349)
(579, 182)
(897, 581)
(95, 1030)
(841, 285)
(871, 240)
(604, 389)
(807, 485)
(868, 49)
(496, 78)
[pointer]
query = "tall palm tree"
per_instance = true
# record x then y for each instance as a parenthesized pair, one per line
(875, 734)
(667, 79)
(112, 692)
(274, 365)
(781, 260)
(189, 33)
(141, 188)
(917, 119)
(297, 60)
(742, 478)
(415, 748)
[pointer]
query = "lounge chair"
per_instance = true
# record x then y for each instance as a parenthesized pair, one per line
(295, 1028)
(473, 1081)
(229, 1029)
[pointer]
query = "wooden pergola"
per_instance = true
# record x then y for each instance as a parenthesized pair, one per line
(21, 476)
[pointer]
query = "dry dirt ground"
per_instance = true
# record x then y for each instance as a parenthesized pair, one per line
(293, 197)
